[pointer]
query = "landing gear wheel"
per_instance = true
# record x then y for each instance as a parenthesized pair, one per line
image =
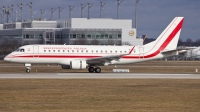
(28, 70)
(97, 70)
(91, 69)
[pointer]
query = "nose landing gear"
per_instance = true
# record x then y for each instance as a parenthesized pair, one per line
(28, 68)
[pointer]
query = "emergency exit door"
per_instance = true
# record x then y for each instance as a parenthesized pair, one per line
(141, 52)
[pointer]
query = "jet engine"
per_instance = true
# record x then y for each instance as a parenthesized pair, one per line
(78, 64)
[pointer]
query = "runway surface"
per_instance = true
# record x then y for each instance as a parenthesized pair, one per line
(97, 76)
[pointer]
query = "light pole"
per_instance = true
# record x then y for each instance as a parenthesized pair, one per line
(31, 10)
(82, 7)
(52, 12)
(118, 3)
(89, 7)
(42, 13)
(3, 15)
(12, 7)
(101, 8)
(70, 10)
(60, 10)
(21, 8)
(136, 2)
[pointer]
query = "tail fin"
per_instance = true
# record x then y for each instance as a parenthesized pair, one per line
(168, 39)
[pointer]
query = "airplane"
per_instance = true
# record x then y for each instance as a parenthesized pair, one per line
(91, 57)
(193, 53)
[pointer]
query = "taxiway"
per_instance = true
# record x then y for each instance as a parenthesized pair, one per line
(98, 76)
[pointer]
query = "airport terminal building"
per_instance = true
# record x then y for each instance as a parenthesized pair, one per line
(76, 31)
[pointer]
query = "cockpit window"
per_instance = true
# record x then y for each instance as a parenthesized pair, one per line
(20, 50)
(17, 50)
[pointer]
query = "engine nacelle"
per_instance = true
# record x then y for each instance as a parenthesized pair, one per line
(78, 64)
(65, 66)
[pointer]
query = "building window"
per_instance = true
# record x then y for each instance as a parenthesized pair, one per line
(97, 36)
(74, 36)
(102, 36)
(27, 36)
(106, 36)
(119, 36)
(88, 36)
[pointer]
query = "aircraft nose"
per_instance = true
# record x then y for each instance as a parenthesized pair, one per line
(7, 58)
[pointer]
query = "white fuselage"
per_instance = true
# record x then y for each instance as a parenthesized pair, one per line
(63, 54)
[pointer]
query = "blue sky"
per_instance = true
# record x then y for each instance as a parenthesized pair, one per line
(153, 15)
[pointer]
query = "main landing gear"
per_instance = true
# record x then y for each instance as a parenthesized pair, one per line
(96, 70)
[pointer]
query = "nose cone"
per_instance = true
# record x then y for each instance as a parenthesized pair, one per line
(7, 58)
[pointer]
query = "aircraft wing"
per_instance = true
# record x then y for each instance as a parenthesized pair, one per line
(105, 59)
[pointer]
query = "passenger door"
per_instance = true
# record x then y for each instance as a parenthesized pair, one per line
(35, 51)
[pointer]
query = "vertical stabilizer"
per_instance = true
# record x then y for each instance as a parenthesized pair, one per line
(168, 39)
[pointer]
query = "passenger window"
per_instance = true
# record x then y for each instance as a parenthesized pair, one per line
(120, 51)
(54, 51)
(58, 50)
(44, 50)
(92, 51)
(97, 51)
(82, 51)
(110, 51)
(63, 50)
(49, 50)
(115, 51)
(86, 50)
(101, 51)
(72, 50)
(67, 50)
(106, 51)
(124, 51)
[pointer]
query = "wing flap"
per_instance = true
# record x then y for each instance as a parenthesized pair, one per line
(104, 59)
